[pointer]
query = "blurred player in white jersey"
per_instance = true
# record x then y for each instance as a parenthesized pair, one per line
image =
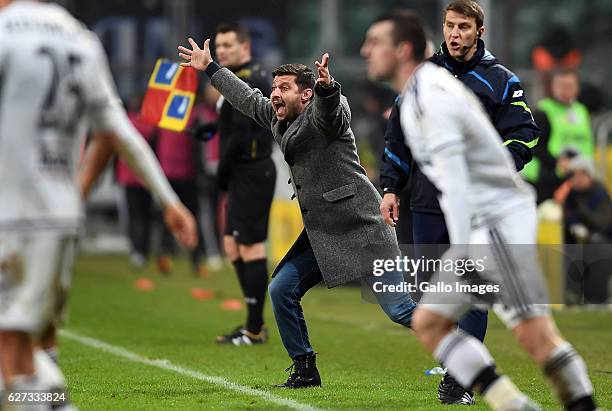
(489, 212)
(55, 85)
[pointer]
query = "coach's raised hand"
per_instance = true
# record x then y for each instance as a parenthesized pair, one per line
(198, 58)
(325, 79)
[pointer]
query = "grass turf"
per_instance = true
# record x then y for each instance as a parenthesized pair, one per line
(366, 362)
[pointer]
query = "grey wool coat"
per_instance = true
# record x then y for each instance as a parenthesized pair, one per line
(339, 205)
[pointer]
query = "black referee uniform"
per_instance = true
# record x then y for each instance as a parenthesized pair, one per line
(246, 170)
(248, 175)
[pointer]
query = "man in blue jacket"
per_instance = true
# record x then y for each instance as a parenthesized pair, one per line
(499, 90)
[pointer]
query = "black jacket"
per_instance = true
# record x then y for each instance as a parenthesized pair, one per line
(243, 140)
(500, 92)
(591, 207)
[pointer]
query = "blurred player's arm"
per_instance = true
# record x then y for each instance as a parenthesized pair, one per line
(101, 150)
(98, 154)
(332, 113)
(394, 167)
(241, 96)
(109, 119)
(441, 126)
(514, 122)
(136, 152)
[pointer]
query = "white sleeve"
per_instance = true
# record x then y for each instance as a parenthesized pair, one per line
(453, 182)
(107, 114)
(441, 125)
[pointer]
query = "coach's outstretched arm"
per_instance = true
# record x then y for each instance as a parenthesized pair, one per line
(332, 112)
(248, 101)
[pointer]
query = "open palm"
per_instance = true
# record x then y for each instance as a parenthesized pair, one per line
(198, 58)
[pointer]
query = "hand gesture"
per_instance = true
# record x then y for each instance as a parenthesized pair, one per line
(389, 208)
(198, 58)
(325, 78)
(182, 224)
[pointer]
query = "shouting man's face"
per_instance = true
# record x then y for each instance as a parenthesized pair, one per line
(287, 99)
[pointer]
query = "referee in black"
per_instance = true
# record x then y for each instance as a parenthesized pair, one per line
(248, 175)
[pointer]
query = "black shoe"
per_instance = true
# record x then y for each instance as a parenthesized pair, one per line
(229, 337)
(451, 392)
(248, 338)
(304, 373)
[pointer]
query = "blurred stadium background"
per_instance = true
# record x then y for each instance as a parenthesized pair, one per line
(137, 32)
(105, 304)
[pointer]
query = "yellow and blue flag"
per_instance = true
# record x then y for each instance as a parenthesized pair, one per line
(170, 95)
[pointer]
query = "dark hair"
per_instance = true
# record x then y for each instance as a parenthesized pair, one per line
(304, 77)
(468, 8)
(550, 75)
(242, 33)
(407, 27)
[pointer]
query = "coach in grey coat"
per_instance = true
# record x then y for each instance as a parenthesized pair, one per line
(344, 231)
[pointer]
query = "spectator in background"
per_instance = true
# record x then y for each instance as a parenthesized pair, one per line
(587, 210)
(178, 156)
(564, 122)
(587, 220)
(138, 200)
(556, 50)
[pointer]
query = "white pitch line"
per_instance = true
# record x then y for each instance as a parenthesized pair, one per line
(167, 365)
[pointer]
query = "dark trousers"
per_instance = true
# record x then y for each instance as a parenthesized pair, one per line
(429, 228)
(298, 275)
(140, 216)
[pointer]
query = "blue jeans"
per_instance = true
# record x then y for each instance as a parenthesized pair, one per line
(294, 279)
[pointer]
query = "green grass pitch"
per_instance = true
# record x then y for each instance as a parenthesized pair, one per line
(366, 362)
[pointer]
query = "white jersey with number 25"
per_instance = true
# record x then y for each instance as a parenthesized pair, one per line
(55, 84)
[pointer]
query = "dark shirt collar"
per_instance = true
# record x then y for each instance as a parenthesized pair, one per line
(238, 68)
(460, 67)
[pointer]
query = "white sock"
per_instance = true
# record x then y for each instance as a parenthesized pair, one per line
(48, 372)
(464, 356)
(568, 374)
(503, 395)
